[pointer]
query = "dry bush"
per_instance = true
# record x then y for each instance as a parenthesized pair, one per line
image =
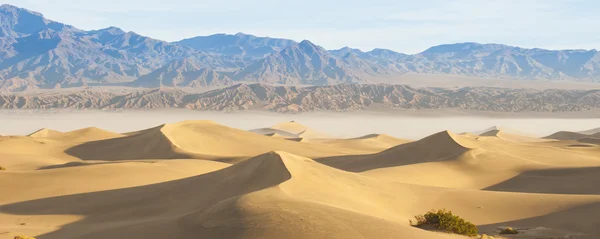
(446, 221)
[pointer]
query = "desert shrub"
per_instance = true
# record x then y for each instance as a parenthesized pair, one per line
(446, 221)
(24, 237)
(2, 168)
(509, 230)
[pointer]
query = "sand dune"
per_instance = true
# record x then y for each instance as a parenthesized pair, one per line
(299, 130)
(81, 135)
(568, 135)
(195, 139)
(163, 182)
(590, 140)
(447, 144)
(45, 133)
(511, 135)
(371, 142)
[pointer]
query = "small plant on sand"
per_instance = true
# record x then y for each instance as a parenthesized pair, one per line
(509, 230)
(446, 221)
(2, 168)
(24, 237)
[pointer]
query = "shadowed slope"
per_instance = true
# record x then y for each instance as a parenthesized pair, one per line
(437, 147)
(590, 140)
(555, 181)
(75, 178)
(566, 135)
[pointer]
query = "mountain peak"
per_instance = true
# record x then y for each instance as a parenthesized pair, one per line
(10, 7)
(113, 30)
(308, 46)
(241, 34)
(465, 46)
(307, 43)
(7, 8)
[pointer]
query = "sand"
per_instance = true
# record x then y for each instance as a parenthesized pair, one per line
(201, 179)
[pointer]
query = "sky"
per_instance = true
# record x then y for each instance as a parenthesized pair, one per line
(400, 25)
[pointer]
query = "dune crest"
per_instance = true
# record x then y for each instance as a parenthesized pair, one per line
(45, 133)
(301, 131)
(441, 146)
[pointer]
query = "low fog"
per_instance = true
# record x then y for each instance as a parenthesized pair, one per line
(403, 125)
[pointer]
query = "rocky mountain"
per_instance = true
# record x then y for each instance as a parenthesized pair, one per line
(291, 99)
(186, 72)
(495, 60)
(303, 63)
(39, 53)
(240, 44)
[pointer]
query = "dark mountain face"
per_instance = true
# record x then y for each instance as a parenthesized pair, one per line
(303, 63)
(247, 46)
(39, 53)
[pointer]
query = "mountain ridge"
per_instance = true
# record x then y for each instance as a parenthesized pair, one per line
(37, 53)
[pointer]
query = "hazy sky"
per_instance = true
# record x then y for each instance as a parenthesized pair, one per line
(404, 26)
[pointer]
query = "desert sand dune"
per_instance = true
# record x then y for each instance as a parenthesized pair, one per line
(98, 177)
(591, 131)
(511, 135)
(195, 139)
(81, 135)
(299, 130)
(371, 142)
(275, 135)
(271, 132)
(45, 133)
(154, 183)
(292, 130)
(590, 140)
(280, 195)
(567, 135)
(18, 152)
(437, 147)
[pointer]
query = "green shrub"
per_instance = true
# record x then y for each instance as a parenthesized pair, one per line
(24, 237)
(509, 230)
(446, 221)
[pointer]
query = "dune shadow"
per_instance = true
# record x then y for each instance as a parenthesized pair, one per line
(579, 222)
(83, 164)
(554, 181)
(133, 147)
(580, 146)
(156, 210)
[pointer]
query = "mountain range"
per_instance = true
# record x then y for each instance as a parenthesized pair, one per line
(39, 53)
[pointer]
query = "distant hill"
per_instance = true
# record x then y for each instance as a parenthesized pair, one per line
(291, 99)
(240, 44)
